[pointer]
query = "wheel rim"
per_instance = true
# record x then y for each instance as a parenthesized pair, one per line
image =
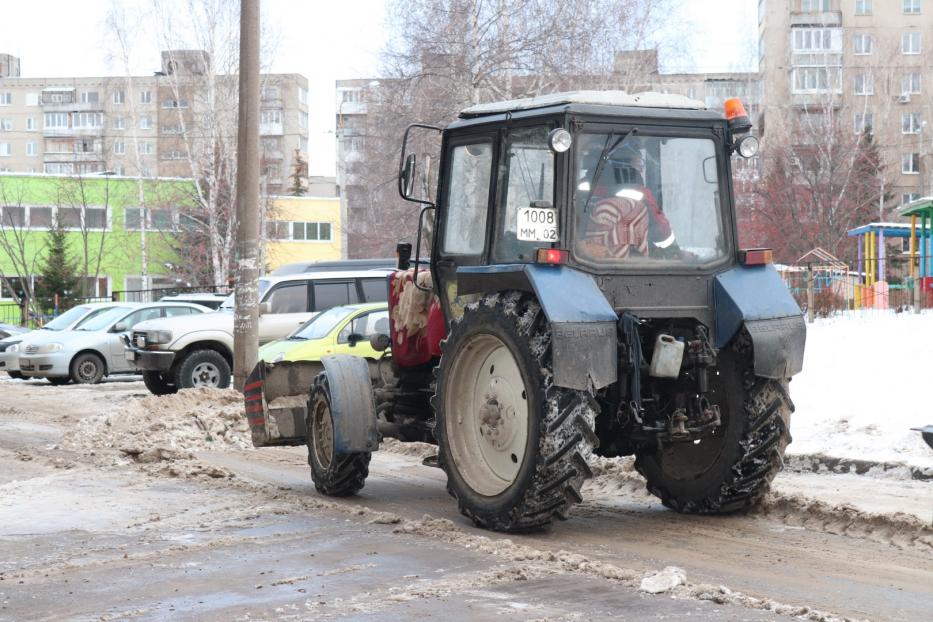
(205, 375)
(322, 433)
(486, 415)
(87, 370)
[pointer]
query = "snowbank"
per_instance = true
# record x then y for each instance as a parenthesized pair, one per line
(157, 428)
(866, 381)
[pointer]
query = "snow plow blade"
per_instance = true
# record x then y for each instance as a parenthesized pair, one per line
(276, 401)
(927, 432)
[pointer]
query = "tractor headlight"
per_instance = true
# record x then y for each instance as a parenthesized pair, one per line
(154, 337)
(559, 140)
(748, 146)
(279, 357)
(49, 348)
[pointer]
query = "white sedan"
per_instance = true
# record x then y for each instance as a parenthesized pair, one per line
(96, 348)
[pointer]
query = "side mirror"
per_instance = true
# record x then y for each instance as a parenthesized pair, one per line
(265, 307)
(407, 176)
(380, 342)
(120, 327)
(354, 339)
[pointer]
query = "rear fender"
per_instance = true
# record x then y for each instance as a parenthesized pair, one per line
(758, 299)
(351, 404)
(583, 323)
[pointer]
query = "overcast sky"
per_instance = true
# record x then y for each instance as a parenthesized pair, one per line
(324, 40)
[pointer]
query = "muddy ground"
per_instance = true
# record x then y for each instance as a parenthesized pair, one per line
(118, 505)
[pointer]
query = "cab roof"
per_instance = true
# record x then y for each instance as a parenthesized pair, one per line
(593, 98)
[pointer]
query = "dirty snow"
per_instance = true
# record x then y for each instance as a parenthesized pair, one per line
(664, 580)
(153, 429)
(863, 387)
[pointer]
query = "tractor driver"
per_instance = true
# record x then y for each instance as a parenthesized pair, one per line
(624, 218)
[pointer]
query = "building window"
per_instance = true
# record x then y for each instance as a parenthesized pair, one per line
(6, 99)
(174, 154)
(910, 123)
(30, 124)
(40, 217)
(862, 43)
(95, 218)
(119, 123)
(13, 216)
(863, 7)
(302, 119)
(90, 97)
(119, 97)
(6, 125)
(88, 120)
(145, 122)
(303, 143)
(56, 120)
(351, 96)
(910, 42)
(300, 231)
(910, 163)
(864, 84)
(175, 103)
(269, 117)
(271, 92)
(145, 97)
(912, 6)
(910, 84)
(145, 148)
(6, 149)
(160, 219)
(811, 79)
(59, 168)
(808, 40)
(909, 197)
(145, 171)
(31, 149)
(32, 99)
(302, 95)
(119, 147)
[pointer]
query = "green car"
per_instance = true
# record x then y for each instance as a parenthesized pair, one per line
(339, 330)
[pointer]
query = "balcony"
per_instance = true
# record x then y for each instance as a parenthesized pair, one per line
(824, 18)
(72, 107)
(85, 156)
(271, 129)
(72, 131)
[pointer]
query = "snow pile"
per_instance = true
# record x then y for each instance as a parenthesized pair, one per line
(863, 387)
(151, 429)
(663, 580)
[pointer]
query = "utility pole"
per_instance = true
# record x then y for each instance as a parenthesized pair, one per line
(246, 310)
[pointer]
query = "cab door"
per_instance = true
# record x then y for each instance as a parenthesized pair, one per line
(463, 213)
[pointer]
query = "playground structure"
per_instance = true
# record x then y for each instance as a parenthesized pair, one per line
(921, 241)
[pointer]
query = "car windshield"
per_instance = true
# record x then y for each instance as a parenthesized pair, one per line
(647, 200)
(104, 320)
(322, 324)
(66, 319)
(230, 301)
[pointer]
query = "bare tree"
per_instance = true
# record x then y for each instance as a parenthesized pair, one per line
(18, 243)
(447, 55)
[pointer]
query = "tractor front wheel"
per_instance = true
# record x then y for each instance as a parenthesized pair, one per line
(333, 474)
(513, 445)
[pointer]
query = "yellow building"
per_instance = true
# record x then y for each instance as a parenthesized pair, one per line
(307, 228)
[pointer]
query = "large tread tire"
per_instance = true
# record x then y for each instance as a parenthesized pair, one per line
(334, 475)
(755, 432)
(561, 422)
(157, 383)
(88, 368)
(210, 362)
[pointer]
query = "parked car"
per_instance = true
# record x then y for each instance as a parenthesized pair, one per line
(189, 352)
(206, 299)
(7, 330)
(70, 319)
(335, 266)
(339, 330)
(95, 348)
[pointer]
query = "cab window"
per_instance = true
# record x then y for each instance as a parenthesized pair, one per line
(468, 198)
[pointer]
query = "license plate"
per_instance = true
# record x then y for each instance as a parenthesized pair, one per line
(537, 224)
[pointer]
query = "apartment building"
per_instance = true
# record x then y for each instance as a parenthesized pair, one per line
(867, 62)
(143, 125)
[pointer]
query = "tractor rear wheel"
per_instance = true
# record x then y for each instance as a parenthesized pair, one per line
(513, 445)
(731, 469)
(333, 474)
